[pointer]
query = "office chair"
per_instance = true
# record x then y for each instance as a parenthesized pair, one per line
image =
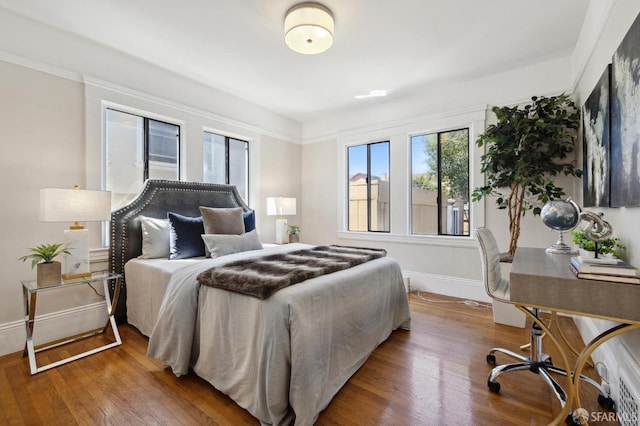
(537, 362)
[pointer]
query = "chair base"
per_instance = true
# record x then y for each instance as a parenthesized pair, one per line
(540, 363)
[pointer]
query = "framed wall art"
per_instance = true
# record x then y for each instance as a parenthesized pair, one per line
(596, 144)
(625, 120)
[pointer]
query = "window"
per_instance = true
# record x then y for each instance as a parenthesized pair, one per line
(440, 183)
(138, 148)
(226, 160)
(369, 187)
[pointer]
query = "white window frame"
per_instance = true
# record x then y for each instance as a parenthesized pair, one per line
(399, 137)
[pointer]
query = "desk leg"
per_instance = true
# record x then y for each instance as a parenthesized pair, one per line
(566, 409)
(592, 346)
(565, 340)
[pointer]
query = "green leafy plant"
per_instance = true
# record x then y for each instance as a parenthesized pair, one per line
(525, 150)
(609, 246)
(294, 229)
(44, 253)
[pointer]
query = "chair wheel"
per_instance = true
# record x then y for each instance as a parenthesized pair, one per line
(571, 421)
(491, 359)
(493, 386)
(548, 361)
(606, 402)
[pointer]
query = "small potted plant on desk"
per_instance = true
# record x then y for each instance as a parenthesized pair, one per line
(294, 233)
(610, 247)
(48, 271)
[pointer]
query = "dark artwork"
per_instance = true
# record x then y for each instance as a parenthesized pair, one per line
(595, 130)
(625, 120)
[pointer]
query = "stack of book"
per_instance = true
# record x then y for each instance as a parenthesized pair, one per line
(613, 270)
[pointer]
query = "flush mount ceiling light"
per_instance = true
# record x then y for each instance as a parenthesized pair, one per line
(308, 28)
(372, 94)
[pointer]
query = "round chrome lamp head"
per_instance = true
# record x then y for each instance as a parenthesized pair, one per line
(308, 28)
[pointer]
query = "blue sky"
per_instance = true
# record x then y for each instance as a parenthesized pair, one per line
(380, 158)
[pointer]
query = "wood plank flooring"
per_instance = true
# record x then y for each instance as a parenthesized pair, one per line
(434, 374)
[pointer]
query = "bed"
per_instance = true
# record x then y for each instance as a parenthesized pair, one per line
(282, 357)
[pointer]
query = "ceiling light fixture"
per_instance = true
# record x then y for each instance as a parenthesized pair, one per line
(372, 94)
(308, 28)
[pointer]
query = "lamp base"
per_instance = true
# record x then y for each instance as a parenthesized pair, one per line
(282, 236)
(76, 265)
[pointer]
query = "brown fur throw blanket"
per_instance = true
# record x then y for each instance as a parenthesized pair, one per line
(265, 275)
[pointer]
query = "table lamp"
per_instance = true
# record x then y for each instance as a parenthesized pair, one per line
(281, 207)
(75, 205)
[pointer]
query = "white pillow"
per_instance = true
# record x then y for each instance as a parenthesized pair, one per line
(222, 244)
(155, 237)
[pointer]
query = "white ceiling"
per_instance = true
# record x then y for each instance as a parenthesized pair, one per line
(402, 46)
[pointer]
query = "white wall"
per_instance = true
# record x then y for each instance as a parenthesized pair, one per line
(444, 265)
(51, 103)
(608, 23)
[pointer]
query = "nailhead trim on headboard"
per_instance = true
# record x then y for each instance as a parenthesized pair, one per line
(122, 219)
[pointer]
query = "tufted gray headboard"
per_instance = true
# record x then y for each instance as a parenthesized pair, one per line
(158, 197)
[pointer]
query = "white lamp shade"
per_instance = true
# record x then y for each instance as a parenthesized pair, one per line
(308, 28)
(281, 206)
(74, 205)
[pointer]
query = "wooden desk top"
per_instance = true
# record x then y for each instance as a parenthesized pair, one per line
(543, 280)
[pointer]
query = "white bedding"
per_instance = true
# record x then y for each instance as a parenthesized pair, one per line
(147, 281)
(285, 357)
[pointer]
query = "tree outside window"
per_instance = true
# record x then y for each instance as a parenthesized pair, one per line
(440, 183)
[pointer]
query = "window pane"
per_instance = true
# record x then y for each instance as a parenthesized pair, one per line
(358, 199)
(369, 187)
(214, 158)
(124, 134)
(239, 166)
(424, 184)
(454, 166)
(380, 217)
(163, 150)
(440, 183)
(226, 160)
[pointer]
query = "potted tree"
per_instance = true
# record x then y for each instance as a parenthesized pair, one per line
(525, 150)
(42, 256)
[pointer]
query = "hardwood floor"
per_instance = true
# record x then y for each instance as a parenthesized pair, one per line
(434, 374)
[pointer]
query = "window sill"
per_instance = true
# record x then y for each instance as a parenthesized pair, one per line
(427, 240)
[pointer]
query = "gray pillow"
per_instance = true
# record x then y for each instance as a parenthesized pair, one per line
(155, 237)
(222, 220)
(223, 244)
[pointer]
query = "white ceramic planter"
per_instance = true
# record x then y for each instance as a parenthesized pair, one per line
(507, 313)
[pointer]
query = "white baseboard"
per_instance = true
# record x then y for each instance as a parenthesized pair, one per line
(449, 286)
(53, 326)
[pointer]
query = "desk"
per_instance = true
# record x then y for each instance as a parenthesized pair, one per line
(30, 290)
(544, 281)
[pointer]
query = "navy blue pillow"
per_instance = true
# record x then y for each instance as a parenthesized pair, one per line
(249, 220)
(185, 236)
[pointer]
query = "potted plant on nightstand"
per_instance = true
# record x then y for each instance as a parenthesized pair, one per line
(294, 233)
(48, 270)
(525, 150)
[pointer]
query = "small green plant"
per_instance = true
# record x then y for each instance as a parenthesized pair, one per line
(294, 229)
(44, 253)
(609, 246)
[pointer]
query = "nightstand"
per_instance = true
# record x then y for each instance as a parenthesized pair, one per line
(30, 290)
